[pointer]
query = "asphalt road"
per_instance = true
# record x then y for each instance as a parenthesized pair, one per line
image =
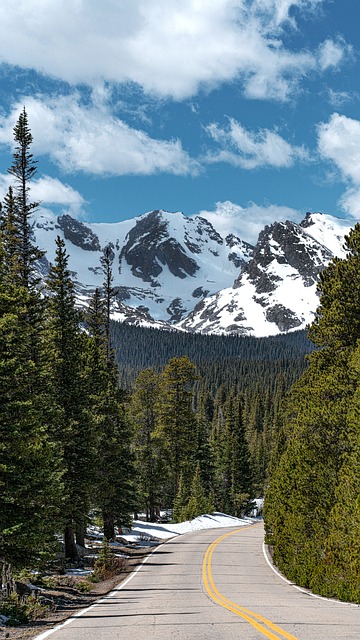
(211, 585)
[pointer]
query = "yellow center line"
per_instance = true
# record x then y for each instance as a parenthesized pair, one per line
(255, 619)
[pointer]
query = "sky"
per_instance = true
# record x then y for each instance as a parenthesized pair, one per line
(245, 111)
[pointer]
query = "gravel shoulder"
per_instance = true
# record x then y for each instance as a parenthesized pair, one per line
(67, 600)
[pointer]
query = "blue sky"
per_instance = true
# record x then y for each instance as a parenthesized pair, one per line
(248, 110)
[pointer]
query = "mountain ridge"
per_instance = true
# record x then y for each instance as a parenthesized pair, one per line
(179, 273)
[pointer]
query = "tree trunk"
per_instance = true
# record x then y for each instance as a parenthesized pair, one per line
(8, 585)
(70, 547)
(80, 534)
(109, 526)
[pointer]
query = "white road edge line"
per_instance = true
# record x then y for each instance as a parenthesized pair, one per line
(306, 591)
(112, 593)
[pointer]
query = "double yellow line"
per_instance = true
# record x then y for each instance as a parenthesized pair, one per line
(257, 621)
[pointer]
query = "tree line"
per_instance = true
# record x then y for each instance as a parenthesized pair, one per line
(312, 505)
(65, 445)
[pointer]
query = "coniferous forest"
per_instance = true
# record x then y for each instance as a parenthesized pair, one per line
(102, 418)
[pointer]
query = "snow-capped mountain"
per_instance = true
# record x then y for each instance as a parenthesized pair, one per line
(170, 270)
(164, 263)
(276, 290)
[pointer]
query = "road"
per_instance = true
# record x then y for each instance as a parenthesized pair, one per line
(211, 585)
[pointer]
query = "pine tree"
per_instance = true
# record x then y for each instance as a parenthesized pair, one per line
(176, 428)
(313, 469)
(114, 491)
(144, 414)
(198, 503)
(30, 495)
(24, 170)
(181, 500)
(73, 430)
(233, 478)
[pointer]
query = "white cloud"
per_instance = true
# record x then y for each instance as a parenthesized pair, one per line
(338, 98)
(49, 191)
(249, 150)
(332, 53)
(247, 222)
(339, 142)
(350, 202)
(90, 139)
(170, 48)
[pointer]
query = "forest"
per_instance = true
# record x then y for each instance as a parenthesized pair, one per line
(108, 421)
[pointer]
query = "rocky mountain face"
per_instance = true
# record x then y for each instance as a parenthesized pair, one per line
(178, 272)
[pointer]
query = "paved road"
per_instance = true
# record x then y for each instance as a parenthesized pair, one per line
(211, 585)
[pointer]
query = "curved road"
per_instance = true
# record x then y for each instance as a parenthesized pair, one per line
(211, 585)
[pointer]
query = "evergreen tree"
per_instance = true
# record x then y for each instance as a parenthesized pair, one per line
(203, 451)
(181, 500)
(313, 470)
(29, 470)
(29, 474)
(73, 430)
(143, 411)
(24, 170)
(198, 502)
(233, 480)
(176, 427)
(114, 492)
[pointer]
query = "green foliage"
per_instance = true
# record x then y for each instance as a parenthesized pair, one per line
(103, 562)
(176, 426)
(198, 503)
(113, 478)
(30, 476)
(107, 565)
(143, 411)
(312, 502)
(73, 426)
(21, 611)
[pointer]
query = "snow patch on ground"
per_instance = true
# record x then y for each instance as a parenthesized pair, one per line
(163, 531)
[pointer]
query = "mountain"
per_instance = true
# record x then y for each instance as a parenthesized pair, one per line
(276, 290)
(171, 271)
(164, 263)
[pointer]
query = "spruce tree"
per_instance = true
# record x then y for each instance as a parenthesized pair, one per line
(149, 460)
(176, 428)
(199, 503)
(313, 469)
(114, 491)
(24, 170)
(29, 469)
(30, 489)
(73, 431)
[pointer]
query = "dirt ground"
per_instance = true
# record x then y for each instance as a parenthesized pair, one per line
(68, 601)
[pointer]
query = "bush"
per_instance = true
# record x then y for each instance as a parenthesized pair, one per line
(107, 565)
(19, 611)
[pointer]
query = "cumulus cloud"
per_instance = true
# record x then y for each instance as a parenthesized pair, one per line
(169, 48)
(49, 191)
(90, 139)
(247, 222)
(339, 142)
(249, 150)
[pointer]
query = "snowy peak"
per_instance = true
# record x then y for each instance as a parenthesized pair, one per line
(149, 248)
(283, 245)
(327, 230)
(276, 290)
(163, 262)
(179, 272)
(78, 233)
